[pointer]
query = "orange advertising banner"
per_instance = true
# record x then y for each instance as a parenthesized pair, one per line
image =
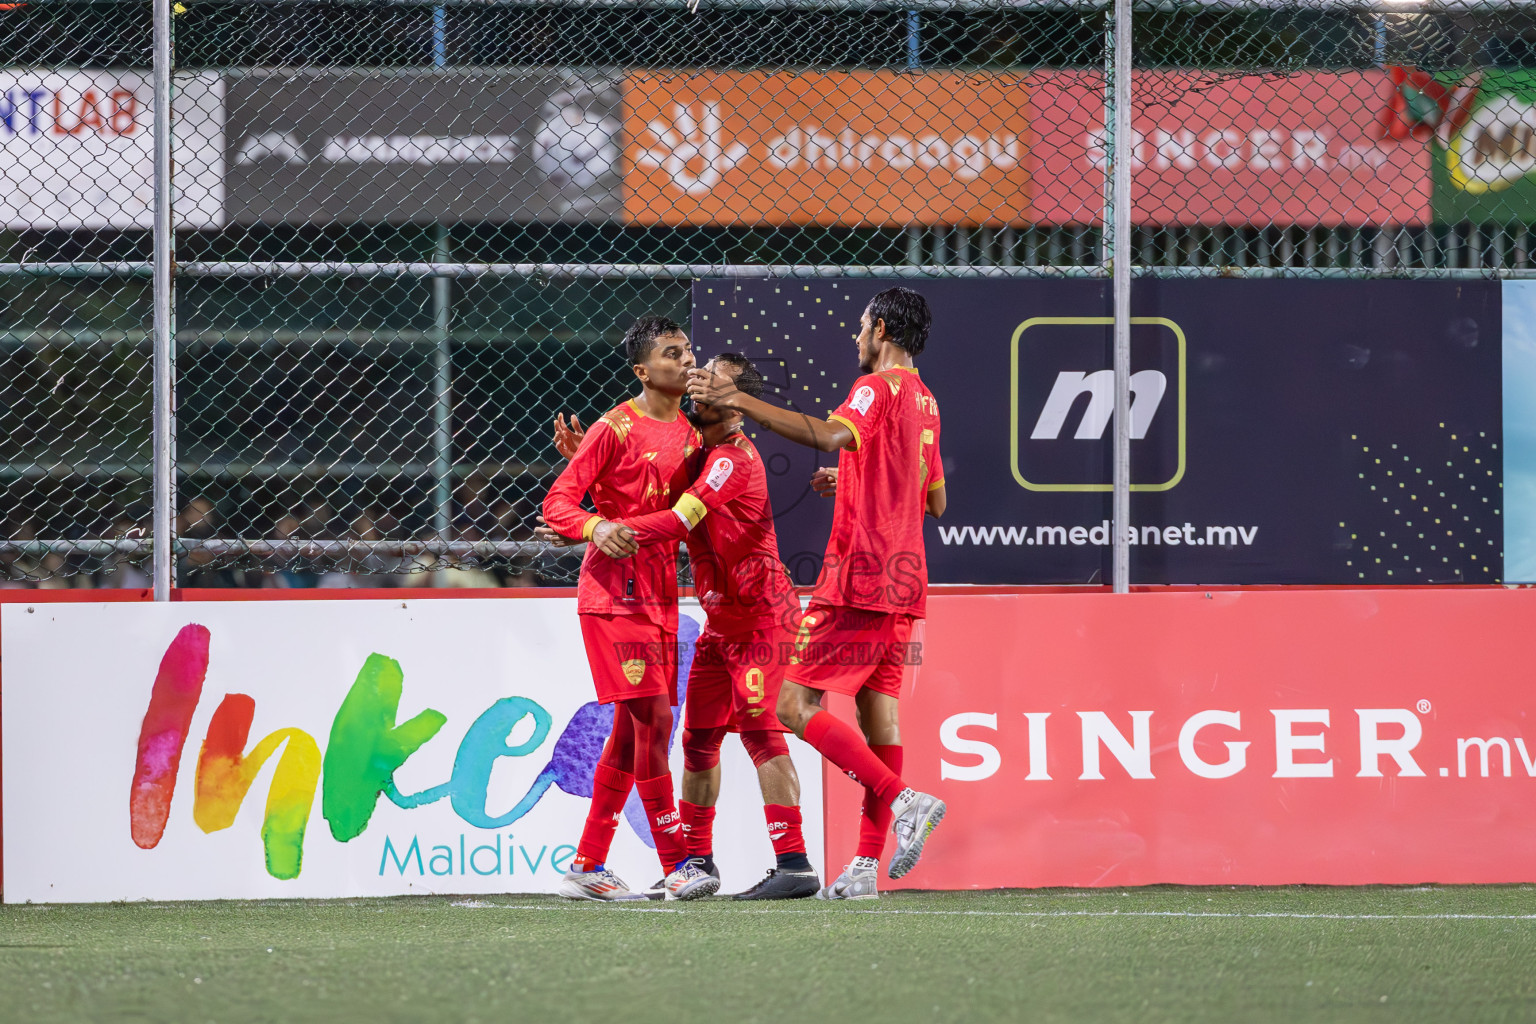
(862, 147)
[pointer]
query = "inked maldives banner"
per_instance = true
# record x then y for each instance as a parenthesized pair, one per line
(1256, 738)
(230, 750)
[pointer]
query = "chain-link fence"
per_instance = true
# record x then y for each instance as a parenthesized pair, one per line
(408, 233)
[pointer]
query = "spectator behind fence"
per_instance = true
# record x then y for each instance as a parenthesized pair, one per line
(373, 569)
(200, 568)
(462, 571)
(288, 527)
(473, 500)
(118, 570)
(20, 569)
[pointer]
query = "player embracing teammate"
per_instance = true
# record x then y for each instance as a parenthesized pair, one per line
(752, 614)
(853, 639)
(632, 461)
(855, 634)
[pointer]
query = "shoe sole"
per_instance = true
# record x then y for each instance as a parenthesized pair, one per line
(847, 899)
(599, 899)
(807, 894)
(707, 887)
(907, 860)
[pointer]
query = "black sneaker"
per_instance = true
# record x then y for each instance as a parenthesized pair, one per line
(658, 888)
(783, 885)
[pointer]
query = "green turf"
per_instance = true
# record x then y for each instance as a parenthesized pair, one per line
(1142, 954)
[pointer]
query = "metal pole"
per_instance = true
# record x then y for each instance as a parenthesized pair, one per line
(1121, 175)
(164, 322)
(1107, 236)
(442, 392)
(442, 358)
(914, 42)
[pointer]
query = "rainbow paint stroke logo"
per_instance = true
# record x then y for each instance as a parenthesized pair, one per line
(363, 751)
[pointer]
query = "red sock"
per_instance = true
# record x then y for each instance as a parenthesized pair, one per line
(610, 788)
(698, 828)
(876, 822)
(841, 744)
(785, 834)
(666, 826)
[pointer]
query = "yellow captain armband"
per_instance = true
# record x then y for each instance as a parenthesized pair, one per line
(690, 510)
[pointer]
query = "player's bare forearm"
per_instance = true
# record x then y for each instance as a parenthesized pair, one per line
(823, 435)
(936, 502)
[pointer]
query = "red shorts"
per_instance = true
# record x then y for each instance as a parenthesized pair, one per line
(846, 650)
(630, 656)
(735, 680)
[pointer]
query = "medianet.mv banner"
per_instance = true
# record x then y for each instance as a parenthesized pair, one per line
(1323, 432)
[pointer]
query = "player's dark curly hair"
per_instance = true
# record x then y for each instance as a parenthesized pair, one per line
(906, 317)
(749, 380)
(642, 334)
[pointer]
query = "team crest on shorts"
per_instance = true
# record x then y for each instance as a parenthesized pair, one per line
(634, 670)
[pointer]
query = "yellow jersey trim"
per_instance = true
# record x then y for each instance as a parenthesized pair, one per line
(858, 441)
(620, 421)
(936, 485)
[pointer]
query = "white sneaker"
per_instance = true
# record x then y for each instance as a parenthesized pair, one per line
(691, 882)
(857, 882)
(601, 885)
(917, 815)
(658, 888)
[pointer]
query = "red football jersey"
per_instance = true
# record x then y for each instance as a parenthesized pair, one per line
(737, 574)
(875, 558)
(631, 464)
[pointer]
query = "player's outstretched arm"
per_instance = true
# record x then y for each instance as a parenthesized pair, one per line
(823, 435)
(562, 505)
(613, 539)
(720, 481)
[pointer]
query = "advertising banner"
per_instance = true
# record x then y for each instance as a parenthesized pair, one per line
(1224, 738)
(1302, 149)
(1519, 431)
(1478, 128)
(422, 146)
(860, 147)
(232, 750)
(1282, 431)
(78, 149)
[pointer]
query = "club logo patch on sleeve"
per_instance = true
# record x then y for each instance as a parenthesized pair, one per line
(863, 399)
(719, 473)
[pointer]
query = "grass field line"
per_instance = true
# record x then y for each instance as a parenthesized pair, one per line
(1256, 915)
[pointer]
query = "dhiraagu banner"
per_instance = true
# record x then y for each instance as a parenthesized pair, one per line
(1520, 431)
(226, 750)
